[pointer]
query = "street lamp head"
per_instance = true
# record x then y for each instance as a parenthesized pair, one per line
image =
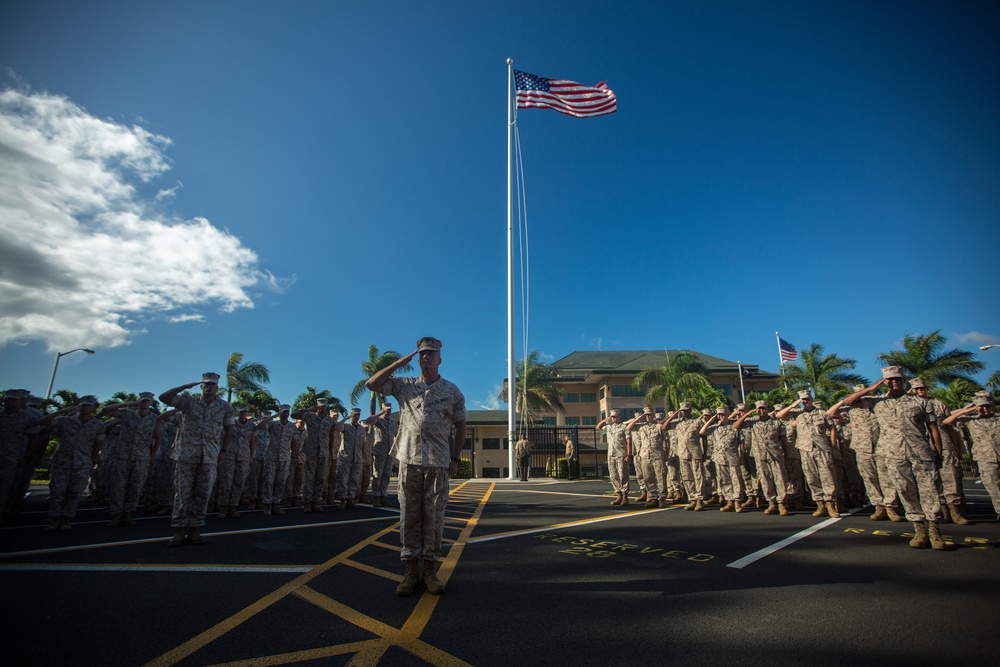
(88, 350)
(987, 347)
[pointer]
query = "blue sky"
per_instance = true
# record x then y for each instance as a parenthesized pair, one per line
(296, 181)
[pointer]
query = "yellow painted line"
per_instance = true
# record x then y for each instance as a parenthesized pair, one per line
(301, 656)
(378, 572)
(393, 547)
(365, 653)
(187, 648)
(568, 524)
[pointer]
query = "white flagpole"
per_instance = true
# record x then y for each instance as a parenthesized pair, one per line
(511, 376)
(743, 394)
(781, 361)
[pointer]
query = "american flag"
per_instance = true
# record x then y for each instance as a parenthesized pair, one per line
(568, 97)
(788, 352)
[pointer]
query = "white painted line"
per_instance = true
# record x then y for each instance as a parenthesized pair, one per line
(571, 524)
(31, 567)
(150, 540)
(767, 551)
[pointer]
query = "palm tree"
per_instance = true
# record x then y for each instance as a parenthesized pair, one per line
(250, 375)
(958, 394)
(257, 400)
(994, 381)
(370, 367)
(307, 399)
(923, 357)
(683, 378)
(536, 392)
(773, 397)
(60, 399)
(827, 375)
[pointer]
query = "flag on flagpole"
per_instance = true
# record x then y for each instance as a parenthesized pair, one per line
(787, 351)
(568, 97)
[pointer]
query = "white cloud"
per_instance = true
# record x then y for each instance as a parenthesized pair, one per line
(596, 342)
(187, 317)
(977, 338)
(492, 401)
(169, 193)
(83, 260)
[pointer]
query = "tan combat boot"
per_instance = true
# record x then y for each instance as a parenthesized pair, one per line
(194, 536)
(64, 524)
(893, 514)
(53, 526)
(690, 506)
(879, 514)
(831, 509)
(617, 500)
(728, 507)
(127, 519)
(410, 579)
(772, 507)
(698, 506)
(317, 507)
(652, 502)
(430, 578)
(116, 521)
(624, 498)
(782, 509)
(820, 509)
(750, 502)
(958, 516)
(267, 510)
(737, 506)
(662, 502)
(307, 509)
(643, 497)
(178, 538)
(276, 509)
(233, 512)
(759, 502)
(937, 542)
(920, 539)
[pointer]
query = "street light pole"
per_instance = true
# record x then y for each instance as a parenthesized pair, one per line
(987, 347)
(55, 367)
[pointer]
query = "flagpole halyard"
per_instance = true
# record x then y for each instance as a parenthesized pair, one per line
(511, 383)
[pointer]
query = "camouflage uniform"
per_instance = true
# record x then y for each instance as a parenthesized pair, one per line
(133, 452)
(330, 490)
(317, 452)
(279, 459)
(951, 456)
(985, 433)
(162, 491)
(71, 463)
(793, 463)
(904, 441)
(367, 460)
(385, 434)
(16, 429)
(687, 442)
(770, 457)
(617, 466)
(427, 413)
(296, 469)
(255, 485)
(813, 441)
(654, 470)
(726, 454)
(196, 456)
(235, 466)
(351, 460)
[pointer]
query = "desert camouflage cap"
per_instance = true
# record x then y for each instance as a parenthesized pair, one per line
(892, 372)
(323, 401)
(720, 411)
(779, 406)
(284, 407)
(741, 406)
(616, 413)
(147, 396)
(647, 411)
(981, 400)
(89, 399)
(804, 394)
(760, 404)
(212, 378)
(685, 405)
(918, 383)
(242, 408)
(705, 412)
(428, 343)
(16, 393)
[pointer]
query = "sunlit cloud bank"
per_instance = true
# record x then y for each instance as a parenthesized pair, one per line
(84, 260)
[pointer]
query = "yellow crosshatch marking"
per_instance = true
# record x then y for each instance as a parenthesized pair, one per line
(367, 652)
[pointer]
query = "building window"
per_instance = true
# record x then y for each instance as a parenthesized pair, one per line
(548, 421)
(724, 388)
(571, 398)
(590, 421)
(491, 443)
(602, 393)
(588, 398)
(572, 421)
(626, 391)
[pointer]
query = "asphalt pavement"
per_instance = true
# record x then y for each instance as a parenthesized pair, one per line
(543, 572)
